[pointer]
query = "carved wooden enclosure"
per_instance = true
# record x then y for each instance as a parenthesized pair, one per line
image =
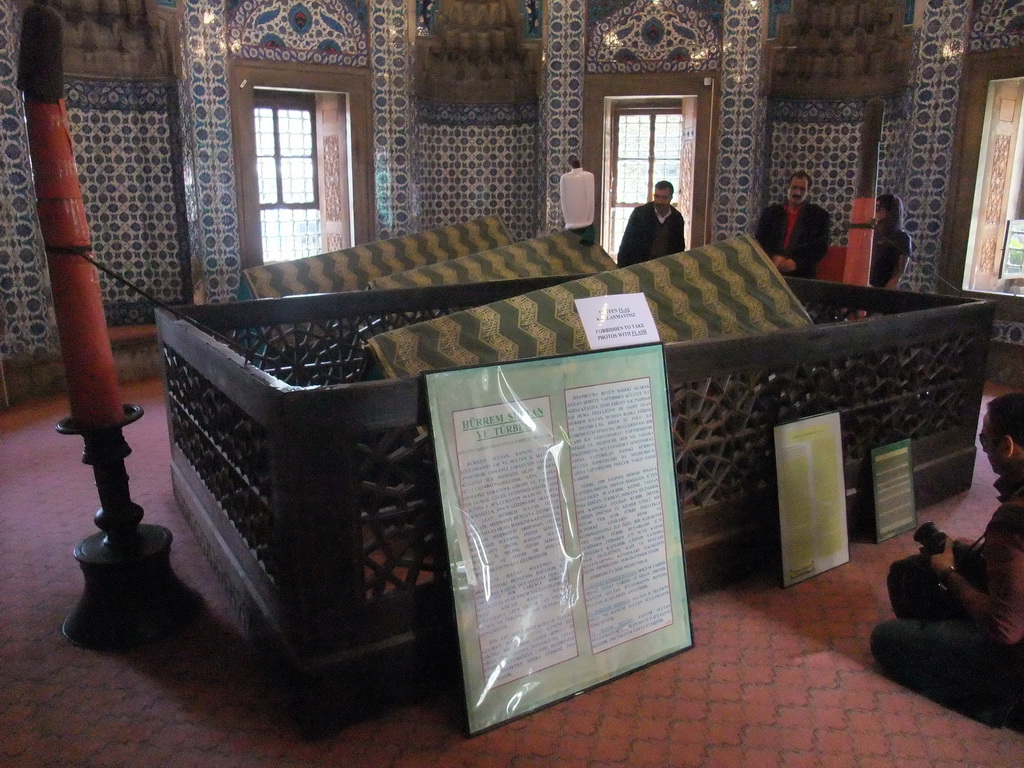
(314, 487)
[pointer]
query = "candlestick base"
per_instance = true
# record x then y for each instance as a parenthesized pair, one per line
(131, 594)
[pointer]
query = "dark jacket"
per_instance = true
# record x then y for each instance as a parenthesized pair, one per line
(808, 243)
(639, 235)
(887, 249)
(1000, 609)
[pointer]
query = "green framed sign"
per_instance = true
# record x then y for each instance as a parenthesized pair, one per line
(558, 487)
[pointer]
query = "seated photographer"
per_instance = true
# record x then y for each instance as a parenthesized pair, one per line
(973, 663)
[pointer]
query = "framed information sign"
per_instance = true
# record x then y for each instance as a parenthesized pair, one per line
(892, 473)
(558, 487)
(812, 497)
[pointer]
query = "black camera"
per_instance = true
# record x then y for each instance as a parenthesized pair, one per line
(931, 539)
(968, 559)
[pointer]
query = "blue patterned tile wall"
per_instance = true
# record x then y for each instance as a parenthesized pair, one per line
(997, 24)
(209, 171)
(895, 145)
(393, 120)
(561, 103)
(24, 284)
(641, 36)
(917, 138)
(823, 139)
(329, 32)
(739, 190)
(932, 120)
(130, 172)
(478, 160)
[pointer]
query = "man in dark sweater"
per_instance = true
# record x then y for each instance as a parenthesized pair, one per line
(975, 664)
(653, 230)
(794, 234)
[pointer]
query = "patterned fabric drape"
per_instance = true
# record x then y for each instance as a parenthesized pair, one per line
(559, 254)
(352, 269)
(726, 288)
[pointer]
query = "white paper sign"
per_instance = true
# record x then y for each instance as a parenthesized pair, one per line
(622, 320)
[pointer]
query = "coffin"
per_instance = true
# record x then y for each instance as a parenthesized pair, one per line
(312, 488)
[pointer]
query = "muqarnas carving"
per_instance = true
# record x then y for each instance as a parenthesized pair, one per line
(115, 38)
(845, 48)
(477, 55)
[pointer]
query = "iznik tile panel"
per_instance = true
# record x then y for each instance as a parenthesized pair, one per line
(997, 24)
(561, 104)
(739, 186)
(478, 160)
(129, 172)
(641, 36)
(393, 121)
(25, 302)
(330, 32)
(210, 177)
(932, 121)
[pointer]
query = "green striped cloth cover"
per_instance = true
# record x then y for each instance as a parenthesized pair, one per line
(559, 254)
(353, 268)
(724, 289)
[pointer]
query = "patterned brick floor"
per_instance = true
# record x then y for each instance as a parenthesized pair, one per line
(776, 677)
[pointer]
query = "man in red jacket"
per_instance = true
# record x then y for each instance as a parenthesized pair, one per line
(975, 665)
(794, 234)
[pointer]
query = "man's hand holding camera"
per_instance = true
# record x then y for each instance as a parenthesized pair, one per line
(943, 563)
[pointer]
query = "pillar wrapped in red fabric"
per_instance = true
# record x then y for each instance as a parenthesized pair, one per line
(93, 390)
(857, 269)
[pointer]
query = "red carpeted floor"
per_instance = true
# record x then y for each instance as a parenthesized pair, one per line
(776, 677)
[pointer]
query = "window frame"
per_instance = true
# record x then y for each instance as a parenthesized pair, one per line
(979, 69)
(354, 85)
(266, 98)
(668, 106)
(598, 89)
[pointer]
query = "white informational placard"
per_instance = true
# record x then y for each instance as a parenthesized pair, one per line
(812, 497)
(558, 487)
(622, 320)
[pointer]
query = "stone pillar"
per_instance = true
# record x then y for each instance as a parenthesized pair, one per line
(393, 120)
(209, 168)
(932, 122)
(561, 104)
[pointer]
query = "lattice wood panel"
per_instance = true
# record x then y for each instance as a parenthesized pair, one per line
(228, 451)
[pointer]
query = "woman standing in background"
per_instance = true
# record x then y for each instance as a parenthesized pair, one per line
(891, 246)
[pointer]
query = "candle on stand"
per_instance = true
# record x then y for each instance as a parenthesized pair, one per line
(131, 594)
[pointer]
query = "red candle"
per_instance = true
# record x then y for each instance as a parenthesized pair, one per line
(93, 390)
